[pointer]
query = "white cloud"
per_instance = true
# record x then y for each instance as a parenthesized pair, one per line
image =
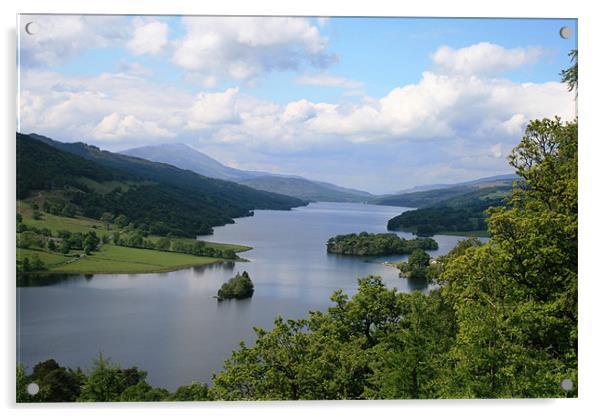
(148, 38)
(496, 150)
(214, 108)
(117, 127)
(61, 37)
(245, 47)
(483, 58)
(437, 108)
(99, 108)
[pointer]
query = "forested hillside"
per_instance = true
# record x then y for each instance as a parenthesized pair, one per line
(464, 213)
(156, 197)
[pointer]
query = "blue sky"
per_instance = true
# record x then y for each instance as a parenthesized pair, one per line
(379, 104)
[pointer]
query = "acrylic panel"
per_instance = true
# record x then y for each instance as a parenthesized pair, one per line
(215, 208)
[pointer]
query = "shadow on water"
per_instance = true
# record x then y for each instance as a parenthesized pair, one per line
(417, 284)
(44, 280)
(226, 266)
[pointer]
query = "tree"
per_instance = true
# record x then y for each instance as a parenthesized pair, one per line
(229, 254)
(238, 287)
(36, 263)
(108, 381)
(68, 210)
(56, 384)
(107, 219)
(163, 244)
(65, 247)
(121, 221)
(406, 363)
(19, 218)
(196, 391)
(515, 297)
(37, 215)
(416, 266)
(21, 387)
(51, 245)
(570, 75)
(30, 239)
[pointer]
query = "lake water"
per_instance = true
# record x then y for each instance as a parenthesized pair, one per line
(169, 325)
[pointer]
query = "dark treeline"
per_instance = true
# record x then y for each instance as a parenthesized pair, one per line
(376, 244)
(139, 239)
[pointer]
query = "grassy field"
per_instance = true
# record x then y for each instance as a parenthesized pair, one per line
(110, 258)
(50, 259)
(116, 259)
(119, 259)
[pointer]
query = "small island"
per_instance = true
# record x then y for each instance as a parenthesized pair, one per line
(377, 244)
(238, 287)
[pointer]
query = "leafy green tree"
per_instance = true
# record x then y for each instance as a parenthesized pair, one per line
(56, 384)
(65, 247)
(163, 244)
(570, 75)
(21, 387)
(229, 254)
(121, 221)
(37, 215)
(36, 263)
(416, 266)
(25, 265)
(406, 363)
(68, 210)
(29, 239)
(143, 392)
(238, 287)
(196, 391)
(19, 218)
(515, 297)
(107, 219)
(108, 382)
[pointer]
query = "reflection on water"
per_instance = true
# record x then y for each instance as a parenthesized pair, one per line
(169, 325)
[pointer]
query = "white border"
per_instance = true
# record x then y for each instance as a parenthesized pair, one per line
(589, 280)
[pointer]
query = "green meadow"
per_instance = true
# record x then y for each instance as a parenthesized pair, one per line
(109, 258)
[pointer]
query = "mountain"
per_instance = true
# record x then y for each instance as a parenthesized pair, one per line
(185, 157)
(483, 182)
(430, 197)
(306, 189)
(160, 197)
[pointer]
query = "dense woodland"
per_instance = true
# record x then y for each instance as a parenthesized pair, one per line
(502, 322)
(157, 198)
(376, 244)
(462, 213)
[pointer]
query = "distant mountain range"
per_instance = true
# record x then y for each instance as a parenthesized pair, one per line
(482, 182)
(185, 157)
(442, 192)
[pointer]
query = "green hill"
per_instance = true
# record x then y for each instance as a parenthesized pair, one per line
(459, 214)
(305, 189)
(156, 197)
